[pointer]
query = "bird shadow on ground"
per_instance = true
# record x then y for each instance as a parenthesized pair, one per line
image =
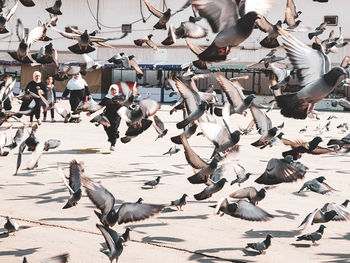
(338, 257)
(169, 210)
(287, 214)
(301, 194)
(19, 252)
(184, 217)
(343, 172)
(199, 255)
(300, 245)
(160, 239)
(153, 156)
(78, 219)
(35, 183)
(45, 197)
(275, 233)
(250, 253)
(345, 236)
(31, 173)
(148, 225)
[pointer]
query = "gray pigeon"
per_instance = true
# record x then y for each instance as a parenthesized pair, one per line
(241, 174)
(163, 16)
(317, 185)
(254, 196)
(5, 18)
(213, 187)
(126, 235)
(241, 209)
(179, 203)
(261, 246)
(172, 150)
(187, 133)
(153, 183)
(159, 127)
(104, 201)
(290, 13)
(114, 242)
(18, 137)
(74, 184)
(205, 173)
(11, 225)
(314, 74)
(55, 9)
(282, 171)
(314, 236)
(101, 119)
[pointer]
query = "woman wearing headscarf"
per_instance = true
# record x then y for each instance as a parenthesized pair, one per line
(78, 90)
(112, 103)
(38, 88)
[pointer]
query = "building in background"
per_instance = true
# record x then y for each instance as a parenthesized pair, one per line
(107, 16)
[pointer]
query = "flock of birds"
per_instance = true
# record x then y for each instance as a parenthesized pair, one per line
(233, 21)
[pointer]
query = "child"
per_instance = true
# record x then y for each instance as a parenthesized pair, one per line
(110, 111)
(51, 98)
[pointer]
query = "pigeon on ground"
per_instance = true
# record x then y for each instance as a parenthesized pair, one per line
(241, 209)
(254, 196)
(159, 127)
(114, 242)
(179, 203)
(213, 187)
(55, 9)
(163, 16)
(153, 183)
(317, 185)
(74, 184)
(314, 236)
(172, 150)
(11, 225)
(282, 171)
(126, 235)
(261, 246)
(241, 174)
(104, 201)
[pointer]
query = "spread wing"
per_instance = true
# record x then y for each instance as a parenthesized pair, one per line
(192, 158)
(153, 10)
(131, 212)
(263, 123)
(248, 211)
(99, 196)
(232, 90)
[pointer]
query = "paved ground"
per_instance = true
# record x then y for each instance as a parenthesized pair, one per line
(35, 199)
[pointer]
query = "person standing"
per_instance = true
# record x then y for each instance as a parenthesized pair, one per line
(38, 88)
(78, 90)
(7, 102)
(213, 100)
(50, 97)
